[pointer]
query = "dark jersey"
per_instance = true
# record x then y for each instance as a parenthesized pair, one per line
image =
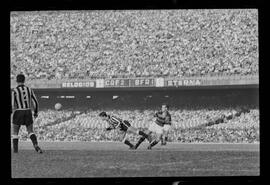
(117, 123)
(161, 120)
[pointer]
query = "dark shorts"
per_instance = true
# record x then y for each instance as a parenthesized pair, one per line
(124, 126)
(22, 117)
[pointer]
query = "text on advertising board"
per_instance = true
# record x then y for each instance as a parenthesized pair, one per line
(143, 82)
(116, 82)
(183, 82)
(78, 84)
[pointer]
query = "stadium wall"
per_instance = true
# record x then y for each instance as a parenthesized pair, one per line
(148, 98)
(144, 82)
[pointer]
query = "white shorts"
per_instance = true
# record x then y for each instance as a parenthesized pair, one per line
(166, 127)
(156, 128)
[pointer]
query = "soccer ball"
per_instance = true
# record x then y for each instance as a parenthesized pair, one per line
(57, 106)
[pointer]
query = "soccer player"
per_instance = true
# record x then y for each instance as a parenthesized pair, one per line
(21, 112)
(157, 128)
(122, 125)
(166, 116)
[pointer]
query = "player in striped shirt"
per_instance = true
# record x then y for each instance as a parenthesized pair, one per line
(122, 125)
(21, 98)
(167, 123)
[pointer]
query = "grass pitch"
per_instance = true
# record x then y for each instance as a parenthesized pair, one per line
(113, 159)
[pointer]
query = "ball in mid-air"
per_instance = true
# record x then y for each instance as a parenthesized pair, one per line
(57, 106)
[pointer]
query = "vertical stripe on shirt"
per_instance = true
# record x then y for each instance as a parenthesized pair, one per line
(25, 97)
(21, 98)
(28, 96)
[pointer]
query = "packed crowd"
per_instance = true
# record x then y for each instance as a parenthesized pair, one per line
(217, 135)
(50, 117)
(205, 125)
(133, 43)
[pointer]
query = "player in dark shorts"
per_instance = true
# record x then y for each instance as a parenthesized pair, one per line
(122, 125)
(21, 112)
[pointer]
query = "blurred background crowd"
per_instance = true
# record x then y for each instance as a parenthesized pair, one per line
(133, 43)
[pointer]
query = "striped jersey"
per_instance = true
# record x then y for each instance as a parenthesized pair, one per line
(161, 120)
(114, 122)
(22, 96)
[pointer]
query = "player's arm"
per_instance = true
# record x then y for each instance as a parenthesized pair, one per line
(158, 114)
(35, 103)
(12, 100)
(168, 119)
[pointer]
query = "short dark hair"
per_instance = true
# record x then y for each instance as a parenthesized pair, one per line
(103, 114)
(166, 105)
(20, 78)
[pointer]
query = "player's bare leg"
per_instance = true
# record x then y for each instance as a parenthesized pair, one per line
(139, 132)
(139, 142)
(164, 138)
(15, 137)
(33, 138)
(144, 135)
(166, 130)
(149, 133)
(127, 142)
(155, 141)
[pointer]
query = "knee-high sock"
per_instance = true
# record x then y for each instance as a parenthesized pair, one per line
(128, 143)
(33, 138)
(153, 143)
(166, 138)
(15, 141)
(142, 134)
(139, 142)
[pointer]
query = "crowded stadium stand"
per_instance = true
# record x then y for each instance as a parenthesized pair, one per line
(214, 49)
(138, 43)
